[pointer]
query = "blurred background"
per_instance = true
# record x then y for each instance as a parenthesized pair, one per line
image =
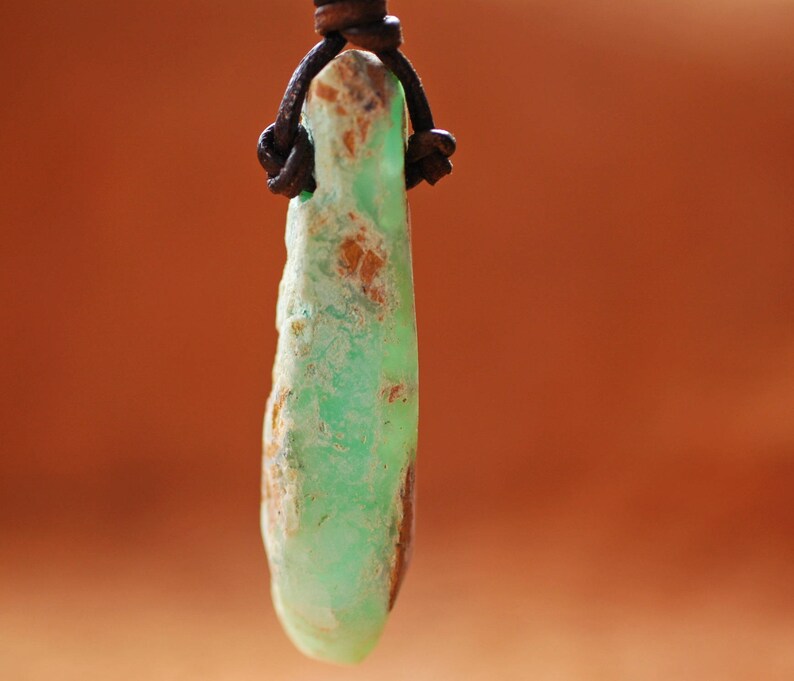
(605, 294)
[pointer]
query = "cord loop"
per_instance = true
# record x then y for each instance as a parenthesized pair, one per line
(285, 149)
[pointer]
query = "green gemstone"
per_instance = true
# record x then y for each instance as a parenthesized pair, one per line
(341, 421)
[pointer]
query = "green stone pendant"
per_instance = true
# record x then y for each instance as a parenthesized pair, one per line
(341, 423)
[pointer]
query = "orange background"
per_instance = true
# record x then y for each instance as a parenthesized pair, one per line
(606, 318)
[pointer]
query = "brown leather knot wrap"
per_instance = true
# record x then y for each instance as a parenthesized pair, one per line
(285, 149)
(363, 23)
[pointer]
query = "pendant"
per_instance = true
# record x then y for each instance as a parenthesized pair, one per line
(341, 421)
(340, 426)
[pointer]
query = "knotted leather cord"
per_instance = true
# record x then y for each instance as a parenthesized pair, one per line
(285, 149)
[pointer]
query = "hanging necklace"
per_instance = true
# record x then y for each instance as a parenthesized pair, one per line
(341, 420)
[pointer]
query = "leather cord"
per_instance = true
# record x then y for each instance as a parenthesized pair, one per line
(285, 149)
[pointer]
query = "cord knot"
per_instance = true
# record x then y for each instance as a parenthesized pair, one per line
(292, 174)
(365, 23)
(427, 156)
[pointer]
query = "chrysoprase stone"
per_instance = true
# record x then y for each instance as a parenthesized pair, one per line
(341, 422)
